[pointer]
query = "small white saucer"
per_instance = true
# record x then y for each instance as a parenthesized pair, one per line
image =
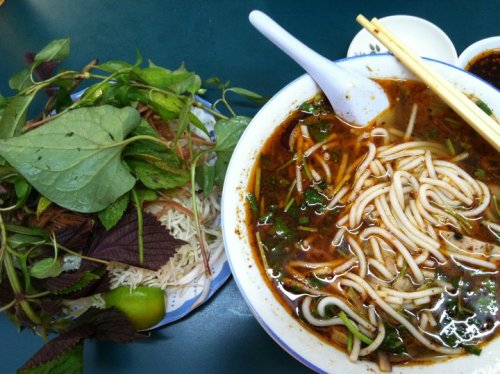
(476, 49)
(425, 38)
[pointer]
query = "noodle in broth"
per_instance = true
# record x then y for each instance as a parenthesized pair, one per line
(383, 240)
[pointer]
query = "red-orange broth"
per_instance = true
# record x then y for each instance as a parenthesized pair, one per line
(292, 230)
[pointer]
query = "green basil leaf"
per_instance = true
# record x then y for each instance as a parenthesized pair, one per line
(20, 240)
(183, 120)
(228, 132)
(14, 116)
(247, 94)
(145, 194)
(155, 178)
(205, 177)
(46, 268)
(167, 106)
(113, 212)
(22, 188)
(179, 81)
(21, 80)
(221, 167)
(114, 66)
(75, 160)
(56, 50)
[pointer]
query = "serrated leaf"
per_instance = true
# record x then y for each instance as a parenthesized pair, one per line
(70, 282)
(72, 159)
(113, 212)
(14, 116)
(120, 244)
(61, 355)
(56, 50)
(46, 268)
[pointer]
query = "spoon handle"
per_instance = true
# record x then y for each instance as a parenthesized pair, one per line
(311, 61)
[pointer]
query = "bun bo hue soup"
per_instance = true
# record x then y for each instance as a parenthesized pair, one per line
(383, 240)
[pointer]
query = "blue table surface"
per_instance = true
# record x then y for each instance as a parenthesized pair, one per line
(211, 38)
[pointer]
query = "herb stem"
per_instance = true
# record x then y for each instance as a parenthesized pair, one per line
(196, 215)
(13, 279)
(83, 257)
(140, 239)
(353, 329)
(8, 306)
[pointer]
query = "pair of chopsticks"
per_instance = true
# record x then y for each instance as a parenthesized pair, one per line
(485, 125)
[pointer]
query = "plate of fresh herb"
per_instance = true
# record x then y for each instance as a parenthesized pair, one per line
(109, 199)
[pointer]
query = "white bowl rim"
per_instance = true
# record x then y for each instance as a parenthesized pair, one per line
(476, 48)
(451, 51)
(229, 235)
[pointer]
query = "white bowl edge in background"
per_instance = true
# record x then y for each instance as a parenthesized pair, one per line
(424, 37)
(477, 48)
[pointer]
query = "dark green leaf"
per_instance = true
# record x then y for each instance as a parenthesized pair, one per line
(14, 116)
(253, 204)
(228, 132)
(75, 160)
(56, 50)
(205, 177)
(17, 240)
(22, 188)
(155, 178)
(33, 231)
(250, 95)
(221, 167)
(113, 212)
(46, 268)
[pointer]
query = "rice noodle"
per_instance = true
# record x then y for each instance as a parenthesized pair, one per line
(187, 264)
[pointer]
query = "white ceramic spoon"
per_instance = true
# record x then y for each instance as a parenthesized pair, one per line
(355, 98)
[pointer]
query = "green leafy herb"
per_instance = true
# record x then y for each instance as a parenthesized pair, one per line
(69, 172)
(70, 159)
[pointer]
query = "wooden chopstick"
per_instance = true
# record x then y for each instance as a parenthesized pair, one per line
(485, 125)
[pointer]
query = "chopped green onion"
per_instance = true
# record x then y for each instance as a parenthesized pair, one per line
(261, 250)
(353, 329)
(480, 173)
(485, 108)
(253, 204)
(290, 190)
(307, 171)
(288, 163)
(349, 342)
(450, 147)
(304, 220)
(289, 204)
